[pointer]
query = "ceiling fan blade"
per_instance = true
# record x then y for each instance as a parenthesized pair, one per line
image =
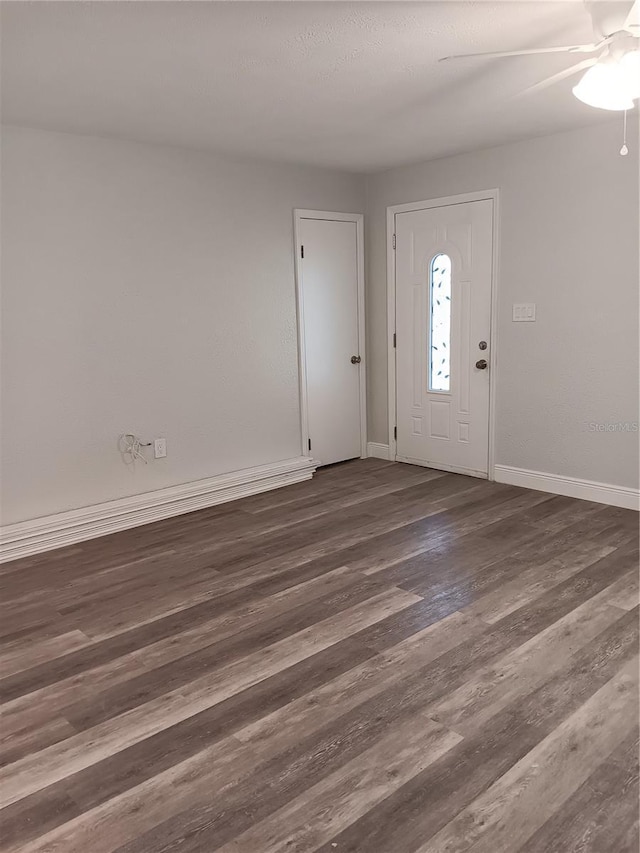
(632, 24)
(572, 48)
(561, 75)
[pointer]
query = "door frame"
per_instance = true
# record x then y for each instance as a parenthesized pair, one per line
(298, 215)
(446, 201)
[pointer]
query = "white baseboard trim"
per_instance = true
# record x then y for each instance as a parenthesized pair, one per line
(378, 451)
(77, 525)
(571, 487)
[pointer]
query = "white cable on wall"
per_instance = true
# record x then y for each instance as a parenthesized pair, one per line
(131, 448)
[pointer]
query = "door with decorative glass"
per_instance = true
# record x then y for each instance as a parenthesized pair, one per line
(443, 263)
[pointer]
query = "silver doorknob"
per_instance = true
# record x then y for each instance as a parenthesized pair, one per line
(355, 359)
(482, 364)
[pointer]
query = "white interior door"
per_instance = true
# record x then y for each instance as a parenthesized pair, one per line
(443, 325)
(328, 293)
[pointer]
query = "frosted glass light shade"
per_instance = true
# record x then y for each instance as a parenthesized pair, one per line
(606, 85)
(630, 64)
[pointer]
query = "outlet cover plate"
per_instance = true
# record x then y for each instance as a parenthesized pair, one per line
(524, 312)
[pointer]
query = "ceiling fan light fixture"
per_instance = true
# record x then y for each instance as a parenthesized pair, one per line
(607, 85)
(630, 64)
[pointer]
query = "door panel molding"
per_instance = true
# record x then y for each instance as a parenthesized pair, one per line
(300, 214)
(445, 201)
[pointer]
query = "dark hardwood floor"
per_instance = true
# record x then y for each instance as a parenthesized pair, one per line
(386, 659)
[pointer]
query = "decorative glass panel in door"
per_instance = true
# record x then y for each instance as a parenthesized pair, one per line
(440, 323)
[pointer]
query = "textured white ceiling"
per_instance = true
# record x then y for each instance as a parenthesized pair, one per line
(353, 85)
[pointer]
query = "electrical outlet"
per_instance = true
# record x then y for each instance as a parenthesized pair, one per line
(160, 448)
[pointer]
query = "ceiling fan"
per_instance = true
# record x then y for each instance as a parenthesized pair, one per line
(612, 78)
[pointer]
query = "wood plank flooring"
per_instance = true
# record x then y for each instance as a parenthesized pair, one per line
(386, 659)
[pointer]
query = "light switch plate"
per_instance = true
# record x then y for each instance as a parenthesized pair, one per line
(524, 312)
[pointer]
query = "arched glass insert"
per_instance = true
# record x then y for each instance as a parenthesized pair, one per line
(440, 323)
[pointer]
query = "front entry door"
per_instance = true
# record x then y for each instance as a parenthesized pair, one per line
(443, 336)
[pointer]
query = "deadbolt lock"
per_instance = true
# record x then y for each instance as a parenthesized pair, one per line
(355, 359)
(482, 345)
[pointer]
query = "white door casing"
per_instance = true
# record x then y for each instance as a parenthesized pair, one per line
(443, 422)
(330, 297)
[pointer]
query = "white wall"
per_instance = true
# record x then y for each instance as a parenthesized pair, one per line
(151, 289)
(569, 242)
(145, 289)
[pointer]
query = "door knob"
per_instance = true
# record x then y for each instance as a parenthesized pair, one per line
(355, 359)
(482, 364)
